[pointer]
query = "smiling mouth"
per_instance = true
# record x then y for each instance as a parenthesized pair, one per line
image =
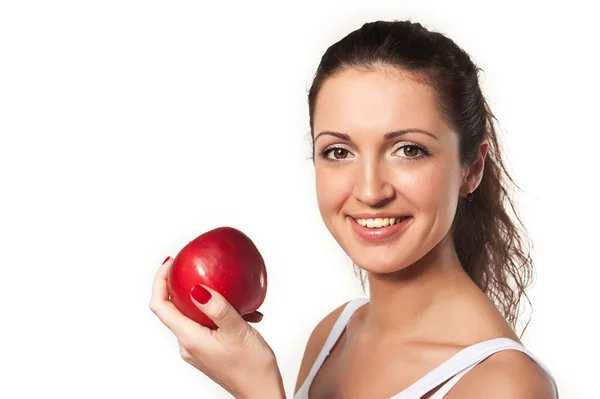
(380, 222)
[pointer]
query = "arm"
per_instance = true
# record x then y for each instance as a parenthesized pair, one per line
(234, 355)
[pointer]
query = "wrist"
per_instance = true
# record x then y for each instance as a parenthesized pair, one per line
(276, 391)
(270, 388)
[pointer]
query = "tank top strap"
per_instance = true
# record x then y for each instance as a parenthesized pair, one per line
(441, 393)
(334, 335)
(461, 363)
(341, 322)
(450, 372)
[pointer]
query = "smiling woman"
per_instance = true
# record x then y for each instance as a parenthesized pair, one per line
(411, 184)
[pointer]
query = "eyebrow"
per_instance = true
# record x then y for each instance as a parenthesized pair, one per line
(387, 136)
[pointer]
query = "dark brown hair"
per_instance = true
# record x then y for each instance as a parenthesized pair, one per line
(490, 244)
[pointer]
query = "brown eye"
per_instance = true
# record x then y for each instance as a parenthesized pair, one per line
(411, 151)
(340, 153)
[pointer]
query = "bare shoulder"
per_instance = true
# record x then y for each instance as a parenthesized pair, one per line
(315, 344)
(507, 374)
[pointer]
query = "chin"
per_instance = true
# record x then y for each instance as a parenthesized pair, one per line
(379, 263)
(379, 257)
(383, 259)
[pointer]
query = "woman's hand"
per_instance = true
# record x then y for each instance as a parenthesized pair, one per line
(234, 355)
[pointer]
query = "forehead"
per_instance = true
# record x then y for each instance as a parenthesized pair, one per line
(377, 101)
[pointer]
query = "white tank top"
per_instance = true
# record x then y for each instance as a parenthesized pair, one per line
(452, 370)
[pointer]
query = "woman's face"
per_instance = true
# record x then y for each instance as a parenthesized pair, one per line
(411, 174)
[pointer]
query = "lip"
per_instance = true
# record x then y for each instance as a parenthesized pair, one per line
(378, 234)
(375, 215)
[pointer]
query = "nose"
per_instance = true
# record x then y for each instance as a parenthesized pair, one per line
(372, 186)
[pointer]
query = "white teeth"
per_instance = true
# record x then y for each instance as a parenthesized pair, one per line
(379, 222)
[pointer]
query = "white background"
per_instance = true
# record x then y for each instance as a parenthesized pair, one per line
(130, 127)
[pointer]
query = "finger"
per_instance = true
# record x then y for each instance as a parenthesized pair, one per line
(220, 311)
(166, 311)
(254, 317)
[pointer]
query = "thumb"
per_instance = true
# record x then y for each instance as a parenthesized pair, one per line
(218, 309)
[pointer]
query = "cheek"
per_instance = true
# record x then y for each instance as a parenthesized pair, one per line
(429, 189)
(333, 187)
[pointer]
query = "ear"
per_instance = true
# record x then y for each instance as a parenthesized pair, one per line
(474, 173)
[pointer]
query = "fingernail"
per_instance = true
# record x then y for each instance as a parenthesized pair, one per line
(253, 317)
(165, 261)
(201, 294)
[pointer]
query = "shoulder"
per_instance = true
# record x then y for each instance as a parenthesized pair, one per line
(315, 343)
(506, 374)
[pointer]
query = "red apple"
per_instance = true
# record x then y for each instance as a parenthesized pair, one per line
(227, 261)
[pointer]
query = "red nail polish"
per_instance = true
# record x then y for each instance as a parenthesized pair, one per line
(165, 261)
(201, 294)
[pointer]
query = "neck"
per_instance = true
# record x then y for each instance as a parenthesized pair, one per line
(402, 302)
